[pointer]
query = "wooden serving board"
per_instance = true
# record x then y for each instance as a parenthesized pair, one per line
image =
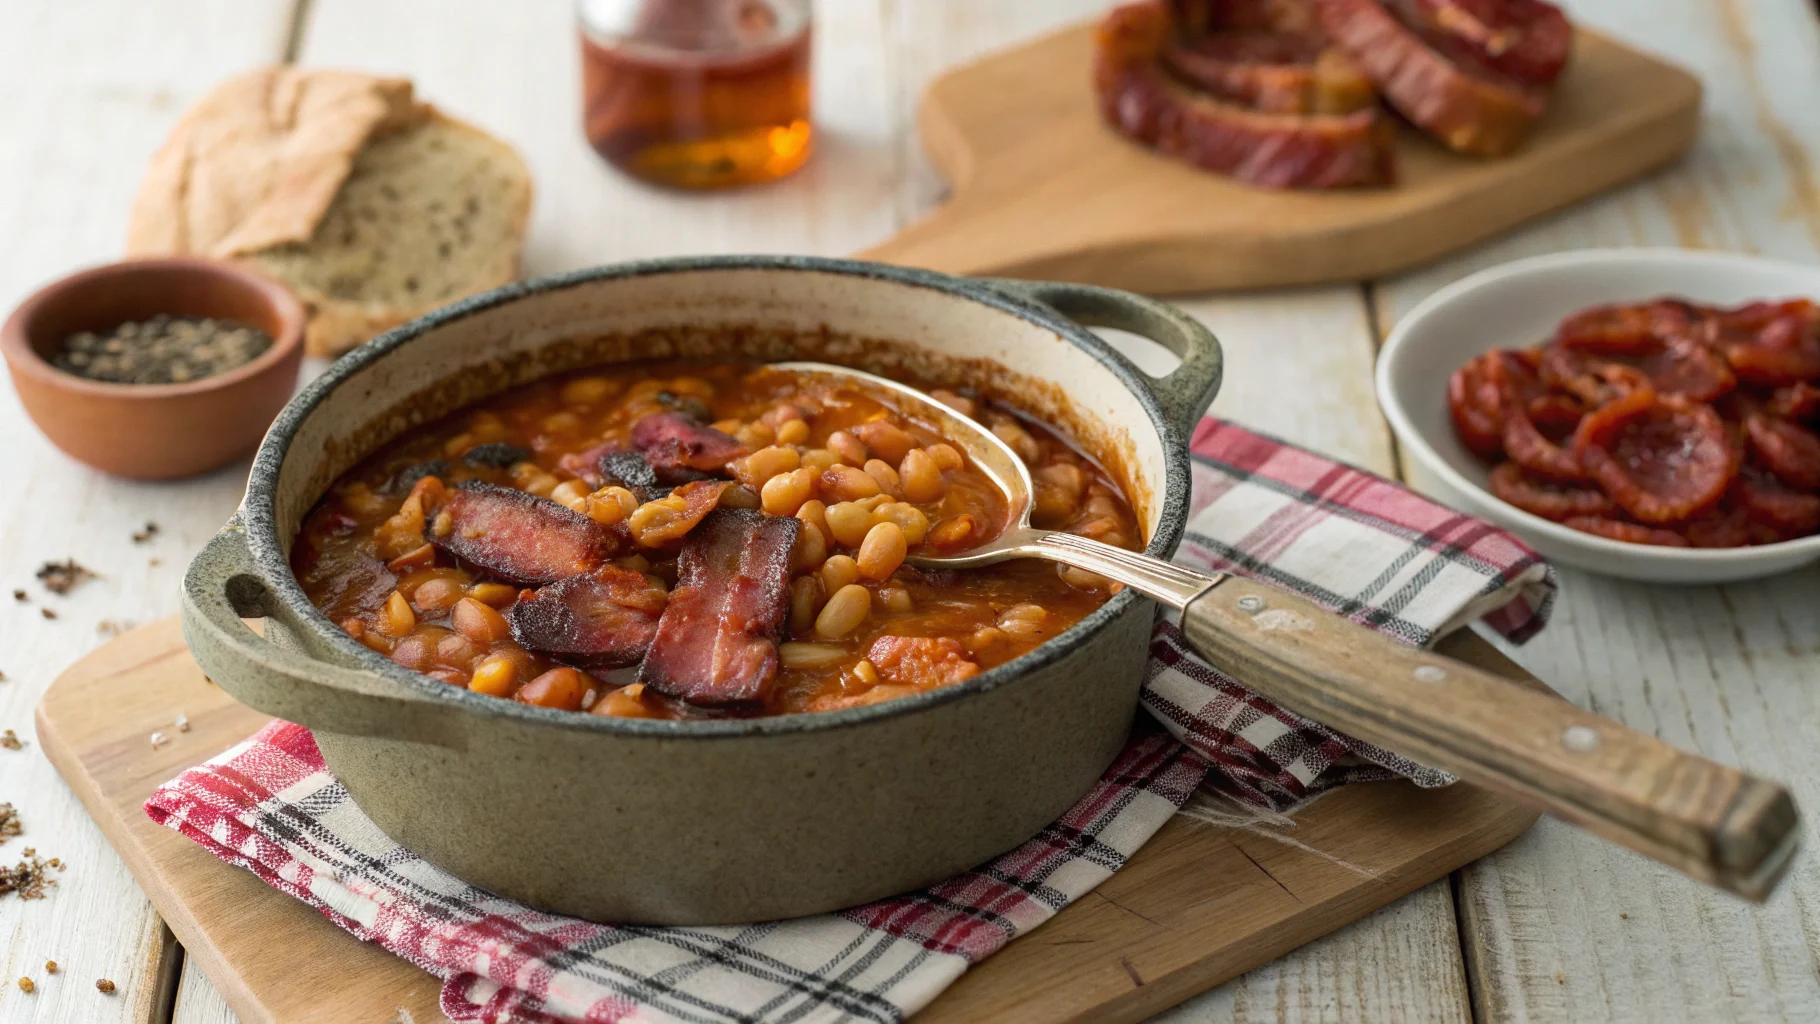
(1042, 189)
(1199, 904)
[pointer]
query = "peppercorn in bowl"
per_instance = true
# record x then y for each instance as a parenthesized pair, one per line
(155, 369)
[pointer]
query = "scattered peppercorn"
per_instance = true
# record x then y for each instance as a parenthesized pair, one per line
(162, 350)
(50, 967)
(20, 595)
(25, 985)
(105, 986)
(28, 878)
(47, 613)
(63, 577)
(150, 531)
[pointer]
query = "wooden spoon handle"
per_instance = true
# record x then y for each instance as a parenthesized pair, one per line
(1716, 823)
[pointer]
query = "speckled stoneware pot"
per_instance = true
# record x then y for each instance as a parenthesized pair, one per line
(731, 820)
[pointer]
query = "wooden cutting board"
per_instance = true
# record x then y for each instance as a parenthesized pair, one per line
(1197, 905)
(1042, 189)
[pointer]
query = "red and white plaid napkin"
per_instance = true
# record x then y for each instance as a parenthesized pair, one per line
(1357, 543)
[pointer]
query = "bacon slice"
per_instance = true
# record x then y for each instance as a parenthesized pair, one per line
(603, 619)
(680, 449)
(519, 537)
(1141, 99)
(716, 643)
(1272, 72)
(1469, 108)
(1524, 40)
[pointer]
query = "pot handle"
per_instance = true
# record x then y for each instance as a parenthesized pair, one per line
(1186, 390)
(1718, 824)
(221, 587)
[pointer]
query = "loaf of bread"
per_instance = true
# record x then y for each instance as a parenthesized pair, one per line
(373, 207)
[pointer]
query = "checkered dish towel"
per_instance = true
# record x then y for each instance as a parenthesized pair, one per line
(1357, 543)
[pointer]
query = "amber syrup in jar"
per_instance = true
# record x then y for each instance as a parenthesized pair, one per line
(697, 94)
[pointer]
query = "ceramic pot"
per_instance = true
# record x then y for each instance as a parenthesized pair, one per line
(689, 822)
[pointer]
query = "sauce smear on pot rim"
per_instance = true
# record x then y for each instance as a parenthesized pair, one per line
(689, 540)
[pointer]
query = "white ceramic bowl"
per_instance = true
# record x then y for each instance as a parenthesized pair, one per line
(1517, 305)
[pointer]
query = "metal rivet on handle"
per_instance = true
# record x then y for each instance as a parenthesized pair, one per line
(1429, 673)
(1580, 737)
(1251, 604)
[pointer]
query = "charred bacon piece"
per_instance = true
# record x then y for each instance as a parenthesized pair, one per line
(599, 620)
(496, 455)
(680, 449)
(519, 537)
(631, 471)
(1469, 107)
(1140, 98)
(716, 643)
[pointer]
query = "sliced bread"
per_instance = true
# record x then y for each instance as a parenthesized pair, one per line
(373, 207)
(427, 215)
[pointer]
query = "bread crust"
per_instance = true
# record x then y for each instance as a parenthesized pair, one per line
(257, 163)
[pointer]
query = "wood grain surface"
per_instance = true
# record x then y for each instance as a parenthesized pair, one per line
(1041, 188)
(1197, 905)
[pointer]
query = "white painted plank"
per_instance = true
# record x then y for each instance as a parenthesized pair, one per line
(1559, 926)
(198, 1002)
(1297, 365)
(91, 90)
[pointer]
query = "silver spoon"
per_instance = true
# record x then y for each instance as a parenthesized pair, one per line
(1720, 825)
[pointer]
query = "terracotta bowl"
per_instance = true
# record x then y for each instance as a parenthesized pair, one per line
(154, 431)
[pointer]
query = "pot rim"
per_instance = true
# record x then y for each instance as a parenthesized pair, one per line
(258, 516)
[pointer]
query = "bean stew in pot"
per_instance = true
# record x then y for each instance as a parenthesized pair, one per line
(684, 540)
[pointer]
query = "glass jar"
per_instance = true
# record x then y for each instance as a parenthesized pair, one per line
(697, 94)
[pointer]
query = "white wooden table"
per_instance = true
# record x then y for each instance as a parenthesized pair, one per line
(1556, 927)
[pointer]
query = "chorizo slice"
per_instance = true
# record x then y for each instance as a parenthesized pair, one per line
(716, 642)
(1677, 366)
(1768, 502)
(1631, 533)
(1662, 459)
(1787, 449)
(1550, 499)
(518, 537)
(1468, 108)
(1526, 445)
(1139, 98)
(1795, 402)
(602, 619)
(1480, 395)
